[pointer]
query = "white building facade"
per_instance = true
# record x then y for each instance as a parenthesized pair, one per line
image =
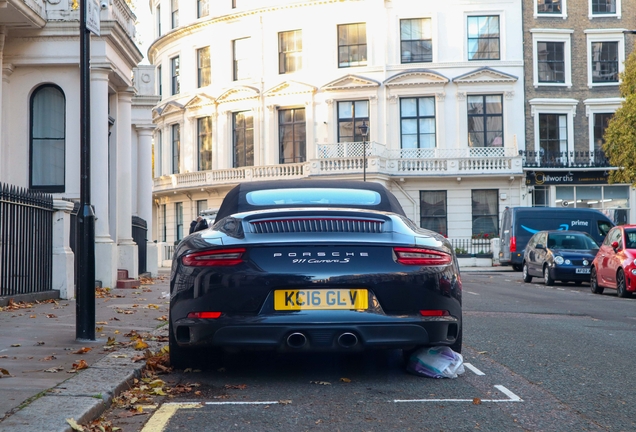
(261, 89)
(40, 118)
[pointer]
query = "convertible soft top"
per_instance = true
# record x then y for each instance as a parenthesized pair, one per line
(242, 197)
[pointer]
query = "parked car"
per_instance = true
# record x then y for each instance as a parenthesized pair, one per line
(559, 255)
(615, 264)
(518, 224)
(313, 265)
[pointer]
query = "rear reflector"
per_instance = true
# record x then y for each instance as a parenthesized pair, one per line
(204, 315)
(417, 256)
(434, 312)
(218, 257)
(513, 244)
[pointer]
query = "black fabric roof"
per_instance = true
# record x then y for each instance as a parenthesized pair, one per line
(235, 202)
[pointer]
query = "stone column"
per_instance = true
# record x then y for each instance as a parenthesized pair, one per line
(144, 192)
(127, 255)
(63, 256)
(105, 248)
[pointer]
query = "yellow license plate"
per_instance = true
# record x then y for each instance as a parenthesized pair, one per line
(321, 299)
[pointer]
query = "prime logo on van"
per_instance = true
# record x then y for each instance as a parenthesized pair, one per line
(579, 223)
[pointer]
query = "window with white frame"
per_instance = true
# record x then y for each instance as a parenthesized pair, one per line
(599, 111)
(352, 45)
(175, 13)
(240, 57)
(416, 40)
(292, 135)
(606, 56)
(485, 213)
(203, 67)
(243, 138)
(433, 211)
(553, 123)
(202, 205)
(552, 59)
(48, 139)
(175, 136)
(601, 120)
(158, 18)
(485, 120)
(159, 77)
(158, 151)
(604, 8)
(204, 141)
(163, 224)
(175, 76)
(551, 62)
(417, 122)
(178, 217)
(483, 38)
(351, 115)
(203, 8)
(549, 7)
(290, 51)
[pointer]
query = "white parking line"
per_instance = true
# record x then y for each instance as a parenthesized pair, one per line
(470, 292)
(511, 398)
(474, 369)
(242, 403)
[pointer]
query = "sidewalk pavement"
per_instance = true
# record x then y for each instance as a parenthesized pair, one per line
(38, 351)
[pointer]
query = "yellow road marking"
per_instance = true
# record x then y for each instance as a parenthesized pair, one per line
(160, 419)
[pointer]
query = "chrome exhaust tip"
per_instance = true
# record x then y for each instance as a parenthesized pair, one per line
(347, 340)
(296, 340)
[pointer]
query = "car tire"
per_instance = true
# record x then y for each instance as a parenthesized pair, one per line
(517, 267)
(526, 275)
(594, 286)
(547, 279)
(621, 285)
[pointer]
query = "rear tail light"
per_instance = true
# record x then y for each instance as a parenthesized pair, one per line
(417, 256)
(204, 315)
(218, 257)
(513, 244)
(434, 312)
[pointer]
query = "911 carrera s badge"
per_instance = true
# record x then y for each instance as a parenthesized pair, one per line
(321, 257)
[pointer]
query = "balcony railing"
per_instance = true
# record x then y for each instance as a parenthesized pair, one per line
(572, 159)
(349, 159)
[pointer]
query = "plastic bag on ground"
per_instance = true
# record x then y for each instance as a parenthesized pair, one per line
(436, 362)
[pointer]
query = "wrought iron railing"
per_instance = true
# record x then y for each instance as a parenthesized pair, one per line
(472, 247)
(26, 241)
(571, 159)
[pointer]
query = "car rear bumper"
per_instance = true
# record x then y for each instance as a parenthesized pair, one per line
(343, 336)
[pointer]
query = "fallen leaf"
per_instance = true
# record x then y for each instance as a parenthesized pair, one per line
(320, 382)
(80, 365)
(99, 329)
(54, 369)
(33, 316)
(4, 372)
(48, 358)
(162, 318)
(74, 425)
(153, 306)
(346, 380)
(285, 402)
(140, 345)
(83, 350)
(39, 343)
(15, 345)
(116, 332)
(476, 401)
(51, 316)
(110, 341)
(235, 386)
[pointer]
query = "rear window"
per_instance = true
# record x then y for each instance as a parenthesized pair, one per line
(313, 197)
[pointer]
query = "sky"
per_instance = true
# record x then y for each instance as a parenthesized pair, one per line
(144, 26)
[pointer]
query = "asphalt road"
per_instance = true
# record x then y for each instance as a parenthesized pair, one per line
(541, 359)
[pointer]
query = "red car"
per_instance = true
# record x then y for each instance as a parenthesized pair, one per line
(615, 263)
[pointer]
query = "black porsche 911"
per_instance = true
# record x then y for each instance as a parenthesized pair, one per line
(312, 265)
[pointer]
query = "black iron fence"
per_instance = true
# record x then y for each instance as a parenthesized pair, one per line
(571, 159)
(472, 248)
(26, 241)
(139, 235)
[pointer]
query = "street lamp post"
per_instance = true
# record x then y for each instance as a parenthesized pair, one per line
(364, 130)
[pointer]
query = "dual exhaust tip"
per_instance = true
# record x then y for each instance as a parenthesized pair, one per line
(345, 340)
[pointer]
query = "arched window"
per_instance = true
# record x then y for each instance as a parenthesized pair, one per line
(48, 139)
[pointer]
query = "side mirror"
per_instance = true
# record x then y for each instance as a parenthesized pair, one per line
(539, 246)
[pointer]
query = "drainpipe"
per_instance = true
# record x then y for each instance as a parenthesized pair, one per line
(410, 198)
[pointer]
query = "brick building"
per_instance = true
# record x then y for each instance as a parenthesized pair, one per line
(574, 52)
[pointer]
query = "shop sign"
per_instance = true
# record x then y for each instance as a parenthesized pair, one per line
(539, 178)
